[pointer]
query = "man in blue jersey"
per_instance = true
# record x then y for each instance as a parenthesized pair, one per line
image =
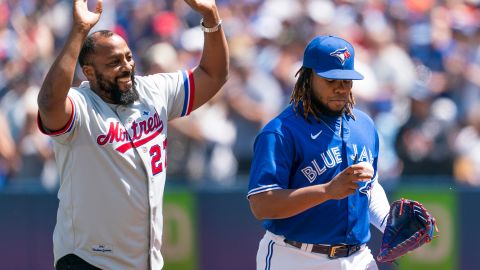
(314, 178)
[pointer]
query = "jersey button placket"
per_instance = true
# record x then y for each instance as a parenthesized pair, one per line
(351, 214)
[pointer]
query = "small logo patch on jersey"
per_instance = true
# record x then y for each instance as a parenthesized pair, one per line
(342, 55)
(368, 186)
(102, 249)
(316, 135)
(146, 113)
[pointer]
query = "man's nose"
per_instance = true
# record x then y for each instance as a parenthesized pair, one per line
(127, 65)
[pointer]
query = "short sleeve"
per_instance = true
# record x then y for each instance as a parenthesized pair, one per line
(272, 163)
(66, 133)
(177, 89)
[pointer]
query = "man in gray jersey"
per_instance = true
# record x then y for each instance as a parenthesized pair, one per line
(110, 140)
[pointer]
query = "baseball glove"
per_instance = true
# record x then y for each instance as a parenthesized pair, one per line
(409, 226)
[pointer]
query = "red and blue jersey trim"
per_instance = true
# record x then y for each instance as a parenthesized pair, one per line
(68, 127)
(189, 88)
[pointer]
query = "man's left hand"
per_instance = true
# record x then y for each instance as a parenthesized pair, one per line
(202, 6)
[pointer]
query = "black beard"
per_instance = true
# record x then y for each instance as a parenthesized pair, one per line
(323, 109)
(112, 89)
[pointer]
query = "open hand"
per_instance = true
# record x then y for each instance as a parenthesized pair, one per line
(202, 6)
(84, 18)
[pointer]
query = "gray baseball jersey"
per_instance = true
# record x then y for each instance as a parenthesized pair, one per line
(112, 164)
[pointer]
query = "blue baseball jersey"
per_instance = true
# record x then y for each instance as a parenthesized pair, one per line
(291, 152)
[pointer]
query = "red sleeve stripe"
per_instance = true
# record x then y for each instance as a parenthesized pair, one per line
(189, 88)
(192, 91)
(68, 127)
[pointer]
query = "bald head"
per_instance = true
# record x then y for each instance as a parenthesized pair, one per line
(90, 45)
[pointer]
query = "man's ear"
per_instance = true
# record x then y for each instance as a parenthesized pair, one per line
(88, 72)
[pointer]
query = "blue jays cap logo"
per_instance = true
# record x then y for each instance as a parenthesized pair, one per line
(341, 54)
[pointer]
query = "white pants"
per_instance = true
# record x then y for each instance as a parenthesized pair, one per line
(274, 254)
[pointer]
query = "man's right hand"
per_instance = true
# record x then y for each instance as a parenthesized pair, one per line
(83, 18)
(55, 111)
(346, 182)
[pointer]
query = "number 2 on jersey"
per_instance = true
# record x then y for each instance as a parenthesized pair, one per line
(156, 154)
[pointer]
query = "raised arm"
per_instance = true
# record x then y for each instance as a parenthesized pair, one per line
(54, 108)
(212, 72)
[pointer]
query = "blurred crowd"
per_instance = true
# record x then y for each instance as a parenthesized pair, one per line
(420, 58)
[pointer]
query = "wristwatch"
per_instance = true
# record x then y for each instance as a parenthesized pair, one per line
(210, 29)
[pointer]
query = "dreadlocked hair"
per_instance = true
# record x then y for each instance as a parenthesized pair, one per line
(302, 92)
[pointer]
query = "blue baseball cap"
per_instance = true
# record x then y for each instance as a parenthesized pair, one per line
(331, 58)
